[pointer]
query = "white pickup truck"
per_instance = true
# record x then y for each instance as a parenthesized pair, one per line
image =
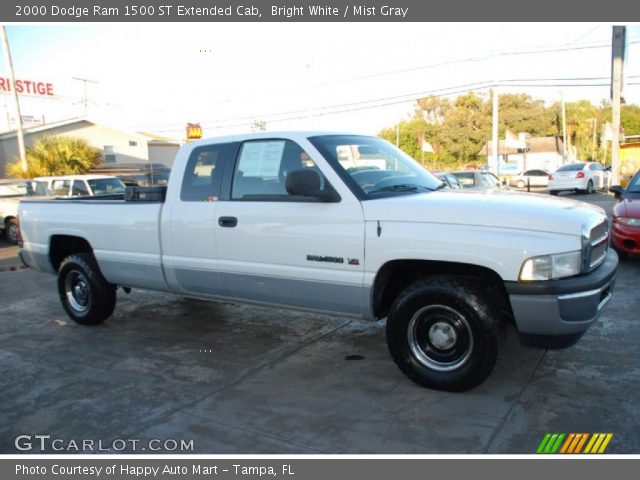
(338, 223)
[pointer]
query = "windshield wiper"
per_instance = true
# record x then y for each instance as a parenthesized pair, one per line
(402, 187)
(441, 186)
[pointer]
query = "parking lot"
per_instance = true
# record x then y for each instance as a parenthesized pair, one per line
(246, 379)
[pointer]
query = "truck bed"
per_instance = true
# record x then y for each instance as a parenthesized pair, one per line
(124, 235)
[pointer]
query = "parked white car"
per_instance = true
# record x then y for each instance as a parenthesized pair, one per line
(579, 176)
(534, 178)
(11, 192)
(479, 180)
(83, 185)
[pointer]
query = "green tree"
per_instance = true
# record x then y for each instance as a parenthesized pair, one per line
(56, 156)
(465, 129)
(519, 112)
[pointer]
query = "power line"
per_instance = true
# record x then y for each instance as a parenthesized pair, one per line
(407, 97)
(561, 48)
(394, 101)
(414, 96)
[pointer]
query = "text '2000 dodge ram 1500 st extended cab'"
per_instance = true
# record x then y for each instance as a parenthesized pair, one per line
(345, 224)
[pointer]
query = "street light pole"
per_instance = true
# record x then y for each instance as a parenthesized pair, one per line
(495, 143)
(12, 79)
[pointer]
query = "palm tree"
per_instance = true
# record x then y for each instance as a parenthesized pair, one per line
(56, 156)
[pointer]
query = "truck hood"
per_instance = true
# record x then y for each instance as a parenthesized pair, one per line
(522, 211)
(629, 207)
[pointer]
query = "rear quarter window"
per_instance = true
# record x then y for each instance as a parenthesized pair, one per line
(202, 179)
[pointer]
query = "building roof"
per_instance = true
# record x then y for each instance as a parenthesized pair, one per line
(45, 127)
(534, 145)
(158, 138)
(150, 137)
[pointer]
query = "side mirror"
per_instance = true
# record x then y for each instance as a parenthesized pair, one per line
(306, 183)
(617, 191)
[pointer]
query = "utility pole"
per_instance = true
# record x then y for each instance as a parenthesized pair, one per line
(495, 143)
(617, 57)
(564, 130)
(593, 145)
(398, 135)
(12, 79)
(85, 96)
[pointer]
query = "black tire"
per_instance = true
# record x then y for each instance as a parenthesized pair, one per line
(86, 296)
(589, 189)
(11, 230)
(553, 192)
(421, 342)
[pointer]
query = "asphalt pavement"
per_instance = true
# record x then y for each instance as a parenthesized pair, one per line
(243, 379)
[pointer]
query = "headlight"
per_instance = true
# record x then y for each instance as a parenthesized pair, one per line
(631, 222)
(547, 267)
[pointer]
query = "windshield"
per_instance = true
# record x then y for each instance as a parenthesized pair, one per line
(633, 189)
(106, 186)
(374, 167)
(27, 188)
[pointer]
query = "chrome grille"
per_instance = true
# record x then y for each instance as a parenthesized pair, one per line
(596, 245)
(599, 231)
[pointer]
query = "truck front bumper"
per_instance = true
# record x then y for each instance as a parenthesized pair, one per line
(556, 313)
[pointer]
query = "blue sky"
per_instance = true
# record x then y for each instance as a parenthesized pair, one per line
(157, 77)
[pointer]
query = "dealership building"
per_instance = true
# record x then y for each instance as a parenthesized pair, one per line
(116, 146)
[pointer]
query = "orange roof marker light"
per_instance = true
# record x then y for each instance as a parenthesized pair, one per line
(194, 131)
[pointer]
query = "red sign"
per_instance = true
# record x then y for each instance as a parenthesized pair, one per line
(30, 87)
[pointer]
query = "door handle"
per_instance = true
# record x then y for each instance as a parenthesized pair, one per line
(228, 222)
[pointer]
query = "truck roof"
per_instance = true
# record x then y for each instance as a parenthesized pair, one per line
(297, 134)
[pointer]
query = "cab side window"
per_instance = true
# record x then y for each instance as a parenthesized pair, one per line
(202, 179)
(61, 187)
(79, 189)
(262, 168)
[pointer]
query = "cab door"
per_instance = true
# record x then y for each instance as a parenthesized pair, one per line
(189, 226)
(279, 248)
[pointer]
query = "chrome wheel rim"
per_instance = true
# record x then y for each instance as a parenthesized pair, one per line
(77, 291)
(440, 338)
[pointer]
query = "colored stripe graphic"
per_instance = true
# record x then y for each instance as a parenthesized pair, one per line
(598, 443)
(552, 442)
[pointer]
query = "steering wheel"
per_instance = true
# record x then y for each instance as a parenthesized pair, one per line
(392, 180)
(368, 178)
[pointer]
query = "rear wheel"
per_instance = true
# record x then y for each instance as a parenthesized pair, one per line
(11, 230)
(85, 294)
(443, 334)
(589, 189)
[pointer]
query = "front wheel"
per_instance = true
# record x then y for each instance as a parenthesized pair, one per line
(85, 294)
(521, 184)
(553, 192)
(443, 333)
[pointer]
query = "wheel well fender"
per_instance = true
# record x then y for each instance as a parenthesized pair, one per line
(61, 246)
(394, 276)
